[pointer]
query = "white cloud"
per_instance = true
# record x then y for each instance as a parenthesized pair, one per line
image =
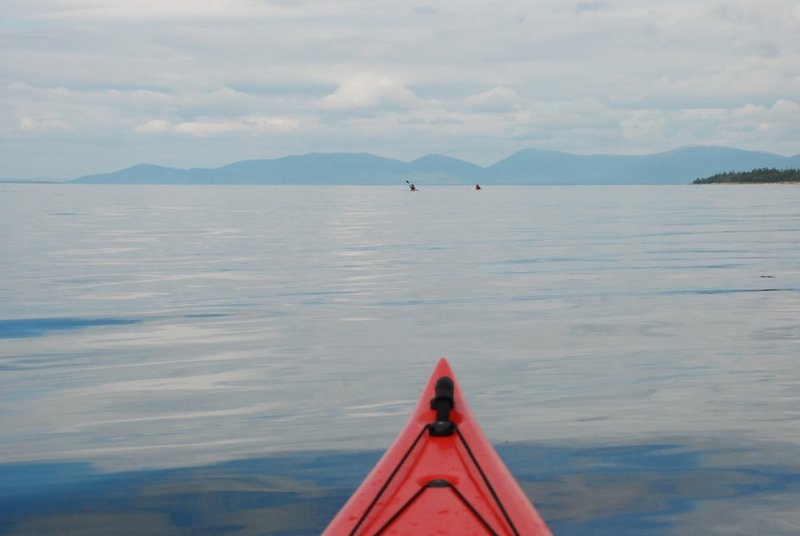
(154, 126)
(498, 99)
(151, 10)
(217, 127)
(590, 6)
(363, 92)
(34, 125)
(781, 119)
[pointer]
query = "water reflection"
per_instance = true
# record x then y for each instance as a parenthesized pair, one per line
(177, 326)
(18, 328)
(678, 486)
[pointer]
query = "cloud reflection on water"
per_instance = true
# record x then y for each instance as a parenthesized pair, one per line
(677, 486)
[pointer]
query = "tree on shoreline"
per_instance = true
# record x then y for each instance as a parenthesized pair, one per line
(756, 176)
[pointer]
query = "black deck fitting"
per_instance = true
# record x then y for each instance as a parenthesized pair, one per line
(443, 403)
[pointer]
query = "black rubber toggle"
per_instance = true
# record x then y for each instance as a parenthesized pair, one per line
(443, 403)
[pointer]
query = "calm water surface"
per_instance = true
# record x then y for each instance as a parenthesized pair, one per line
(234, 359)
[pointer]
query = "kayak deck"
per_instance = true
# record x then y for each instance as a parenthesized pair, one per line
(440, 476)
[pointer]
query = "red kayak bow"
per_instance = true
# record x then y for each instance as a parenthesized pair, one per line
(440, 476)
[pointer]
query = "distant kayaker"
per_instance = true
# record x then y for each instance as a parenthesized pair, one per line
(412, 187)
(477, 186)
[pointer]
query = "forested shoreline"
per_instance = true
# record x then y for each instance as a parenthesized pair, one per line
(756, 176)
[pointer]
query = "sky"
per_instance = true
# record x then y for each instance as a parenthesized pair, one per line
(90, 86)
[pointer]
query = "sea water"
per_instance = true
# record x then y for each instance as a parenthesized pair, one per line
(214, 359)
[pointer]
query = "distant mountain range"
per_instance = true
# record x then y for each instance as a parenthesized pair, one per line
(529, 166)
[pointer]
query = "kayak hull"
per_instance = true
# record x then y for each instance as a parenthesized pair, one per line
(439, 478)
